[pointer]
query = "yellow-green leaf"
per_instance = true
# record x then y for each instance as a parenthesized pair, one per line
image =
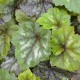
(54, 18)
(27, 75)
(66, 49)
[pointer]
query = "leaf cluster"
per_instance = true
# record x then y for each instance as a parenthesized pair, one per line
(65, 44)
(50, 37)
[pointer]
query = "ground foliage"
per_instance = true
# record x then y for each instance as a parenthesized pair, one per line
(42, 34)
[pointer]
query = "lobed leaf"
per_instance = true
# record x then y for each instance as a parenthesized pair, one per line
(27, 75)
(32, 45)
(66, 49)
(54, 18)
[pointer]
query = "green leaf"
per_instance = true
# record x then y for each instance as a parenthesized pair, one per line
(5, 1)
(54, 18)
(66, 49)
(5, 7)
(27, 75)
(71, 5)
(22, 17)
(2, 1)
(5, 45)
(6, 32)
(5, 75)
(32, 45)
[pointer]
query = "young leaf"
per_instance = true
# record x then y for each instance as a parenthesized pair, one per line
(66, 49)
(32, 45)
(54, 18)
(71, 5)
(5, 75)
(6, 32)
(27, 75)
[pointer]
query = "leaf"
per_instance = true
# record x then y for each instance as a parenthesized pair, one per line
(1, 1)
(27, 75)
(5, 75)
(11, 65)
(5, 7)
(71, 5)
(6, 32)
(33, 9)
(21, 16)
(78, 18)
(5, 1)
(54, 18)
(32, 45)
(66, 49)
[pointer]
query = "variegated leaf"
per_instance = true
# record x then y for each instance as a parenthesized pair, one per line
(32, 44)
